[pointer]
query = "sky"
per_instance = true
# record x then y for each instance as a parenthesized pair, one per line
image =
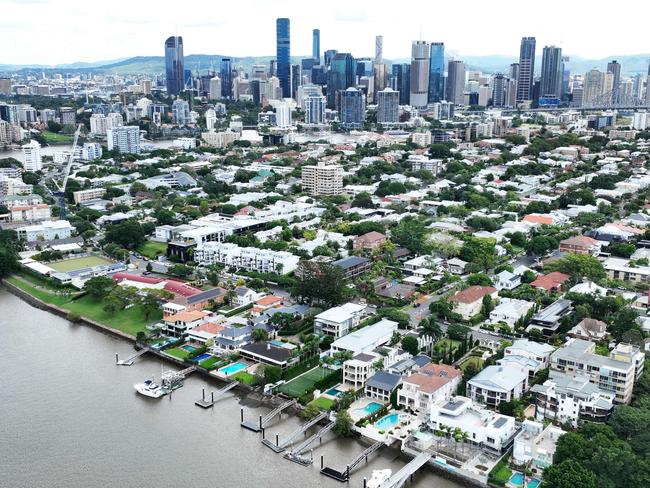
(64, 31)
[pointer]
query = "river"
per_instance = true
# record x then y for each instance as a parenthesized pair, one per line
(69, 418)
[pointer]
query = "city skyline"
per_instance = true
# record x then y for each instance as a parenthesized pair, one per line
(118, 33)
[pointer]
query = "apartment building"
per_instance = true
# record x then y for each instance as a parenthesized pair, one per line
(496, 384)
(580, 245)
(339, 321)
(82, 196)
(322, 179)
(535, 444)
(247, 258)
(30, 213)
(615, 373)
(46, 231)
(357, 370)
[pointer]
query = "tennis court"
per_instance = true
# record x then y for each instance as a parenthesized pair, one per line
(78, 263)
(299, 385)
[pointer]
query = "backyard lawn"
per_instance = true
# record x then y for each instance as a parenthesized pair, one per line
(299, 385)
(177, 352)
(501, 474)
(244, 377)
(152, 250)
(210, 363)
(323, 403)
(472, 360)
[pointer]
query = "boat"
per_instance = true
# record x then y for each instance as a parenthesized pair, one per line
(169, 381)
(378, 478)
(149, 388)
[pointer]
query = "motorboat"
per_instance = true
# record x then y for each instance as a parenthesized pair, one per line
(378, 478)
(150, 388)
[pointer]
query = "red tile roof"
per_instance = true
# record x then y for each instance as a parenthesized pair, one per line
(472, 294)
(550, 281)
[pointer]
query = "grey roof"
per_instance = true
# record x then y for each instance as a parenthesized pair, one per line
(576, 350)
(267, 350)
(242, 290)
(351, 261)
(499, 422)
(452, 405)
(406, 365)
(206, 295)
(363, 357)
(553, 312)
(384, 381)
(232, 332)
(499, 378)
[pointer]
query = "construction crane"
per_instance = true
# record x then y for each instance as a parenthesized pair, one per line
(60, 193)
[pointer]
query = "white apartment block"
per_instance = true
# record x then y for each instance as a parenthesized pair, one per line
(246, 258)
(30, 213)
(496, 384)
(91, 151)
(322, 179)
(357, 370)
(14, 186)
(220, 139)
(126, 139)
(32, 156)
(421, 138)
(616, 373)
(82, 196)
(338, 321)
(485, 427)
(47, 231)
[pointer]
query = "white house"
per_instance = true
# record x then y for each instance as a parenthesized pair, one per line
(506, 280)
(485, 427)
(338, 321)
(430, 384)
(534, 350)
(536, 444)
(510, 310)
(244, 296)
(357, 370)
(47, 231)
(367, 339)
(496, 384)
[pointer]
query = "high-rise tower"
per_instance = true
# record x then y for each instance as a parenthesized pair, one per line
(437, 72)
(174, 68)
(420, 74)
(526, 69)
(551, 77)
(315, 46)
(283, 55)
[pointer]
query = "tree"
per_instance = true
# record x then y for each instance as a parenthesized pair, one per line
(259, 335)
(411, 234)
(151, 300)
(569, 474)
(343, 424)
(480, 279)
(179, 270)
(629, 422)
(136, 187)
(310, 412)
(480, 251)
(363, 200)
(410, 345)
(578, 266)
(99, 287)
(128, 234)
(625, 320)
(112, 305)
(457, 332)
(487, 306)
(430, 327)
(513, 408)
(320, 282)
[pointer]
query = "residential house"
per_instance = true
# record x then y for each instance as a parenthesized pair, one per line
(590, 330)
(615, 373)
(338, 321)
(357, 370)
(496, 384)
(485, 428)
(548, 319)
(353, 266)
(204, 332)
(506, 280)
(620, 269)
(230, 339)
(570, 399)
(456, 266)
(179, 324)
(381, 385)
(407, 366)
(550, 282)
(535, 444)
(580, 245)
(269, 353)
(243, 296)
(468, 302)
(372, 240)
(366, 339)
(428, 385)
(266, 303)
(538, 351)
(510, 310)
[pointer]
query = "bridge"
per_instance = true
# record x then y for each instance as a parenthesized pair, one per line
(345, 474)
(215, 395)
(264, 420)
(131, 359)
(282, 446)
(296, 454)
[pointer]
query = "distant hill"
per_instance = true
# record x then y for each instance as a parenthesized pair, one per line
(630, 64)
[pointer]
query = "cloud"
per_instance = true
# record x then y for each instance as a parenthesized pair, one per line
(352, 17)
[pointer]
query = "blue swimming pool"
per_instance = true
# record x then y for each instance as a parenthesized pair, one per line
(188, 348)
(387, 422)
(201, 357)
(333, 392)
(369, 409)
(232, 368)
(517, 479)
(534, 483)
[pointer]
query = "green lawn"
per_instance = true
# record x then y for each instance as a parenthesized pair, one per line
(54, 138)
(299, 385)
(500, 474)
(78, 263)
(244, 377)
(131, 320)
(210, 363)
(177, 352)
(323, 403)
(152, 250)
(475, 360)
(443, 345)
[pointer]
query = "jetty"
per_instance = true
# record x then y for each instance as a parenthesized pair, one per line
(266, 419)
(344, 475)
(282, 446)
(297, 453)
(398, 479)
(131, 359)
(215, 396)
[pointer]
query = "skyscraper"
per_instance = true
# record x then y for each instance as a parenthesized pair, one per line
(342, 75)
(387, 107)
(283, 55)
(456, 82)
(315, 47)
(420, 74)
(526, 69)
(352, 109)
(498, 90)
(226, 77)
(379, 49)
(437, 72)
(551, 79)
(296, 79)
(614, 67)
(401, 82)
(174, 68)
(329, 55)
(315, 109)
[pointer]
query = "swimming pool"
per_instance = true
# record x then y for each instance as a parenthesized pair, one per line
(369, 409)
(333, 392)
(534, 483)
(201, 357)
(232, 368)
(517, 479)
(188, 348)
(387, 422)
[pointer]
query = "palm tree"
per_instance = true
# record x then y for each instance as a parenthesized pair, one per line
(430, 327)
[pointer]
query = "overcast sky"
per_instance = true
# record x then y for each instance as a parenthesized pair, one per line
(64, 31)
